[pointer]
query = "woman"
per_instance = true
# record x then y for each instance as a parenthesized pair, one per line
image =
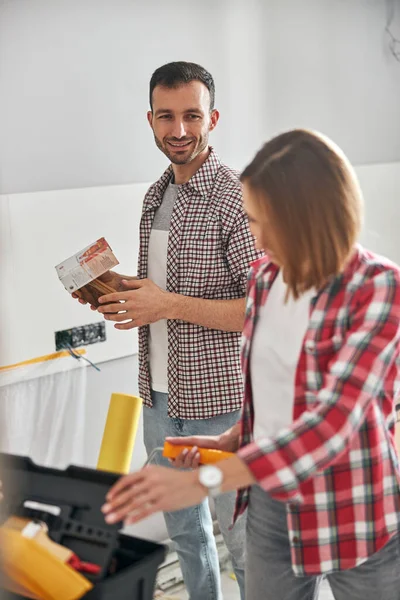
(315, 455)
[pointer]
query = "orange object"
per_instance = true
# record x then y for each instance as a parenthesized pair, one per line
(40, 535)
(207, 455)
(39, 532)
(31, 567)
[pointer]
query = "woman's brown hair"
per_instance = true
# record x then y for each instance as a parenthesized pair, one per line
(309, 194)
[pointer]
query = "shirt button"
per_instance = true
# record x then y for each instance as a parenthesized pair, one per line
(295, 540)
(310, 345)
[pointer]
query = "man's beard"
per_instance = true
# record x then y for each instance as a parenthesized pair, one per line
(184, 160)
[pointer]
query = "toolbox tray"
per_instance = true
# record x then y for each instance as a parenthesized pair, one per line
(128, 564)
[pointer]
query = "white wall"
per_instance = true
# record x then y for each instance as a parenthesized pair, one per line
(74, 81)
(41, 229)
(381, 189)
(328, 67)
(74, 85)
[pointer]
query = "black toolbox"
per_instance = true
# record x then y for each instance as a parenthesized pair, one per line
(128, 565)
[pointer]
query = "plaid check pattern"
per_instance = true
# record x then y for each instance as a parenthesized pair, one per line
(336, 467)
(210, 249)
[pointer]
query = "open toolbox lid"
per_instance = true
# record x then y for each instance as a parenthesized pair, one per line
(68, 501)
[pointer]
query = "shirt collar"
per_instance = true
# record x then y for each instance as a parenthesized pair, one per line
(263, 266)
(201, 182)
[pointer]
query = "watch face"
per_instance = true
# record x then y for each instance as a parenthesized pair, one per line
(210, 476)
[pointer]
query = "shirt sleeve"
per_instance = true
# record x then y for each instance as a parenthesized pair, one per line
(354, 377)
(241, 251)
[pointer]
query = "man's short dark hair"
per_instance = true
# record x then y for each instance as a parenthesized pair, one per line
(174, 74)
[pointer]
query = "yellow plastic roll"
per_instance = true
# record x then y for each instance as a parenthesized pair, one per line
(119, 433)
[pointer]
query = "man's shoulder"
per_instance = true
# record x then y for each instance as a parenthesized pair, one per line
(227, 189)
(229, 178)
(151, 189)
(225, 197)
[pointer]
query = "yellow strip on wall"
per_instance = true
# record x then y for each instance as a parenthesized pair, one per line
(39, 359)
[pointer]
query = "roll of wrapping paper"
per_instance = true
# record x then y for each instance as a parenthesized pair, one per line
(119, 433)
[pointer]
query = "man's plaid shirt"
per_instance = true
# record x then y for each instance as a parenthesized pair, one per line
(336, 467)
(210, 249)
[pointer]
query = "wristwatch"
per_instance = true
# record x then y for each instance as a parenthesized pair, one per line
(211, 477)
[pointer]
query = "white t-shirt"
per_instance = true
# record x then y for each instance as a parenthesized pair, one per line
(157, 272)
(275, 352)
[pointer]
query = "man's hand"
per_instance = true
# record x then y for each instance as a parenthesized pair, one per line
(110, 278)
(143, 304)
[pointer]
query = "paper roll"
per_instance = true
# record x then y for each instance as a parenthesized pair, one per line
(119, 433)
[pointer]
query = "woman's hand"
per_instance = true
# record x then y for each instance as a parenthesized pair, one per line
(138, 495)
(190, 459)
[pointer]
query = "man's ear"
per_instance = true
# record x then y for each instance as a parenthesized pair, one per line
(150, 118)
(214, 119)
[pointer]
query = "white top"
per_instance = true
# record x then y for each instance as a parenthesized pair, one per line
(157, 272)
(275, 352)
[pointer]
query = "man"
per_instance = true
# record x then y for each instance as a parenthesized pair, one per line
(188, 302)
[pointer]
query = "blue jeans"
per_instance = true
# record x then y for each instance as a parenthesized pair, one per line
(191, 529)
(268, 566)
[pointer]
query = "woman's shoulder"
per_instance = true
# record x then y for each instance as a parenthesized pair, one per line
(373, 278)
(367, 264)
